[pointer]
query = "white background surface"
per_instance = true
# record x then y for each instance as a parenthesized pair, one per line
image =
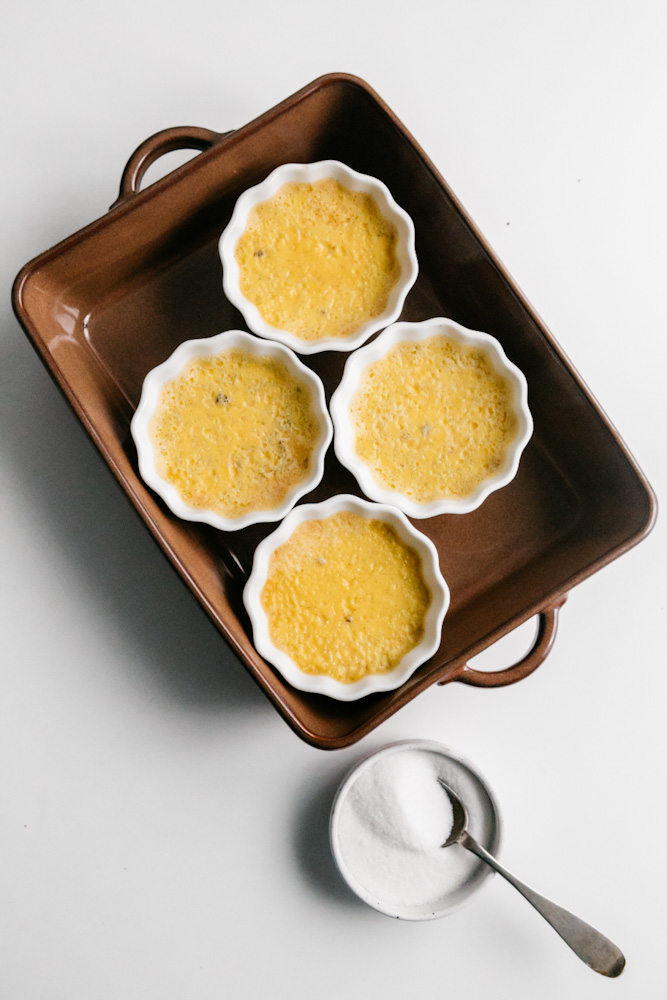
(162, 831)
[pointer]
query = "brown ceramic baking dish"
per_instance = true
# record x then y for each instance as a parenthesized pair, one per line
(115, 299)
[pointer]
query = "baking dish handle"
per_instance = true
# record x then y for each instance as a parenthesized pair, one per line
(542, 646)
(166, 141)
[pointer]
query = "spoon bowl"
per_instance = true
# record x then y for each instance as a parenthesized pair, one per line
(460, 814)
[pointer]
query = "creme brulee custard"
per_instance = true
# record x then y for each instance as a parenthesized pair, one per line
(234, 432)
(318, 260)
(345, 597)
(433, 419)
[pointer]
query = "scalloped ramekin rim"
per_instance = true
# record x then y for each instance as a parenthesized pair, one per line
(344, 435)
(170, 369)
(375, 683)
(309, 172)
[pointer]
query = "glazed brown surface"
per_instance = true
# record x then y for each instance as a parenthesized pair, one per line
(114, 300)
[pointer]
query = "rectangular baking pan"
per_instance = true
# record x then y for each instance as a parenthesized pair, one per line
(115, 299)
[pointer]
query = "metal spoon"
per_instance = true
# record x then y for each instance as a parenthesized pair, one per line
(592, 947)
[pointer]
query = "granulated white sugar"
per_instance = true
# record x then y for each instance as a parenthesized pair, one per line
(392, 823)
(402, 804)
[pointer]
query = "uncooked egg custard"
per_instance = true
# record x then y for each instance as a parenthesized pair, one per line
(318, 260)
(433, 419)
(234, 433)
(345, 597)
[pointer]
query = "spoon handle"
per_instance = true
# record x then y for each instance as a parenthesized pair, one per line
(590, 945)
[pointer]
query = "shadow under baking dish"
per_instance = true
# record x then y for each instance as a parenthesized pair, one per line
(114, 300)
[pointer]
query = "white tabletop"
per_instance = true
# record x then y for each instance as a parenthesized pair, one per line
(163, 833)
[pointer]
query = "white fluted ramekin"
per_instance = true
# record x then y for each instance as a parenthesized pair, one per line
(172, 368)
(309, 173)
(345, 436)
(320, 684)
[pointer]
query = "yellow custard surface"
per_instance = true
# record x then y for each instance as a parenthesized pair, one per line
(345, 597)
(234, 433)
(433, 419)
(318, 260)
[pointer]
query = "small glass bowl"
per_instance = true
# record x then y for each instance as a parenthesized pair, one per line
(170, 369)
(309, 173)
(344, 432)
(322, 684)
